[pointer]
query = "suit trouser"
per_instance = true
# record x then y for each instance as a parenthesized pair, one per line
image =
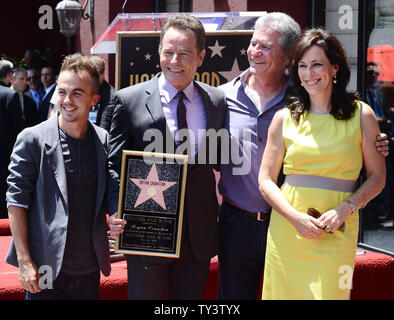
(182, 279)
(241, 256)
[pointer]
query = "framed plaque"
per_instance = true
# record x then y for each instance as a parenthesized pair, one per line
(151, 198)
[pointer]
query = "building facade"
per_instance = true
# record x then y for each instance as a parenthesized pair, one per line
(365, 28)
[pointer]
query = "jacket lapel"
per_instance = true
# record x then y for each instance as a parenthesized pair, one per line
(54, 153)
(154, 107)
(101, 153)
(204, 147)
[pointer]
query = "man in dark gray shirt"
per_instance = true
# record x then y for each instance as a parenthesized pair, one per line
(56, 198)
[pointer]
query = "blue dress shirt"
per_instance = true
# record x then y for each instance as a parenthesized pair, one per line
(248, 135)
(37, 96)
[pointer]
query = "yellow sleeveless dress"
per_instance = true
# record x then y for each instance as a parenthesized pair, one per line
(320, 268)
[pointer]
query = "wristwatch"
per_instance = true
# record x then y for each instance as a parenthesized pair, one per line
(351, 205)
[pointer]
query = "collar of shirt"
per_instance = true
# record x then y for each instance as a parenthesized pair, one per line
(49, 89)
(37, 93)
(168, 91)
(243, 77)
(195, 115)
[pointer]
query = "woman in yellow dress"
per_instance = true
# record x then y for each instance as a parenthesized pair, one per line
(322, 140)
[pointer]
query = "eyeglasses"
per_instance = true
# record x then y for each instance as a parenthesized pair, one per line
(33, 78)
(373, 73)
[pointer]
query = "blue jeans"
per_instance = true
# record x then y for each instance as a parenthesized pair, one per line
(241, 256)
(70, 287)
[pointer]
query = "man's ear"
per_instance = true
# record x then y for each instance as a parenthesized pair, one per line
(95, 99)
(202, 56)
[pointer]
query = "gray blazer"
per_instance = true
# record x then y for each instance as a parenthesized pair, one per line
(38, 180)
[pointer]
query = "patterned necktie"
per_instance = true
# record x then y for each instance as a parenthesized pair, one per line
(181, 115)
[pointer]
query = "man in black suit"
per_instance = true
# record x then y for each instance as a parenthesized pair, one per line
(101, 114)
(11, 123)
(153, 105)
(48, 79)
(36, 91)
(29, 109)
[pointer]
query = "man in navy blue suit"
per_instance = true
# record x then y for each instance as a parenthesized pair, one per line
(48, 79)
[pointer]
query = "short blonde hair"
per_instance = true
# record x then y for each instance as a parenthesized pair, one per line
(84, 68)
(98, 62)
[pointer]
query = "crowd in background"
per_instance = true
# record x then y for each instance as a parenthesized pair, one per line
(380, 96)
(29, 97)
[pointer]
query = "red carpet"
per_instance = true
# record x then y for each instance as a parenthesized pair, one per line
(5, 227)
(373, 277)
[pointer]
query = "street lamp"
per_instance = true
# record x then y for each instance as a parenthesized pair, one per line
(69, 13)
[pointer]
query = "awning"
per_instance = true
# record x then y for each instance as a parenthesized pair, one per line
(383, 56)
(212, 21)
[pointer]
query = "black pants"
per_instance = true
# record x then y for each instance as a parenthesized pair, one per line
(182, 279)
(241, 256)
(70, 287)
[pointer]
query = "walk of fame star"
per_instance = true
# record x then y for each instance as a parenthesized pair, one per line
(152, 188)
(216, 49)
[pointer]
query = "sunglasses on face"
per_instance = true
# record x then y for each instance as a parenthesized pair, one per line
(373, 73)
(33, 78)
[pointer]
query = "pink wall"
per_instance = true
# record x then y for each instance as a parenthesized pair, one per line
(20, 29)
(104, 13)
(219, 5)
(297, 9)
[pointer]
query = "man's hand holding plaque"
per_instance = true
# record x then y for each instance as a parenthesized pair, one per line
(116, 226)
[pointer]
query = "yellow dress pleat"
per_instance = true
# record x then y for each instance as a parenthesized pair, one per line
(321, 268)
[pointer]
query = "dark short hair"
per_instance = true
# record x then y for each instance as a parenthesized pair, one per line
(372, 63)
(34, 69)
(83, 67)
(50, 66)
(342, 102)
(185, 22)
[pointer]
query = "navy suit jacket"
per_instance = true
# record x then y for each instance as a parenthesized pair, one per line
(43, 109)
